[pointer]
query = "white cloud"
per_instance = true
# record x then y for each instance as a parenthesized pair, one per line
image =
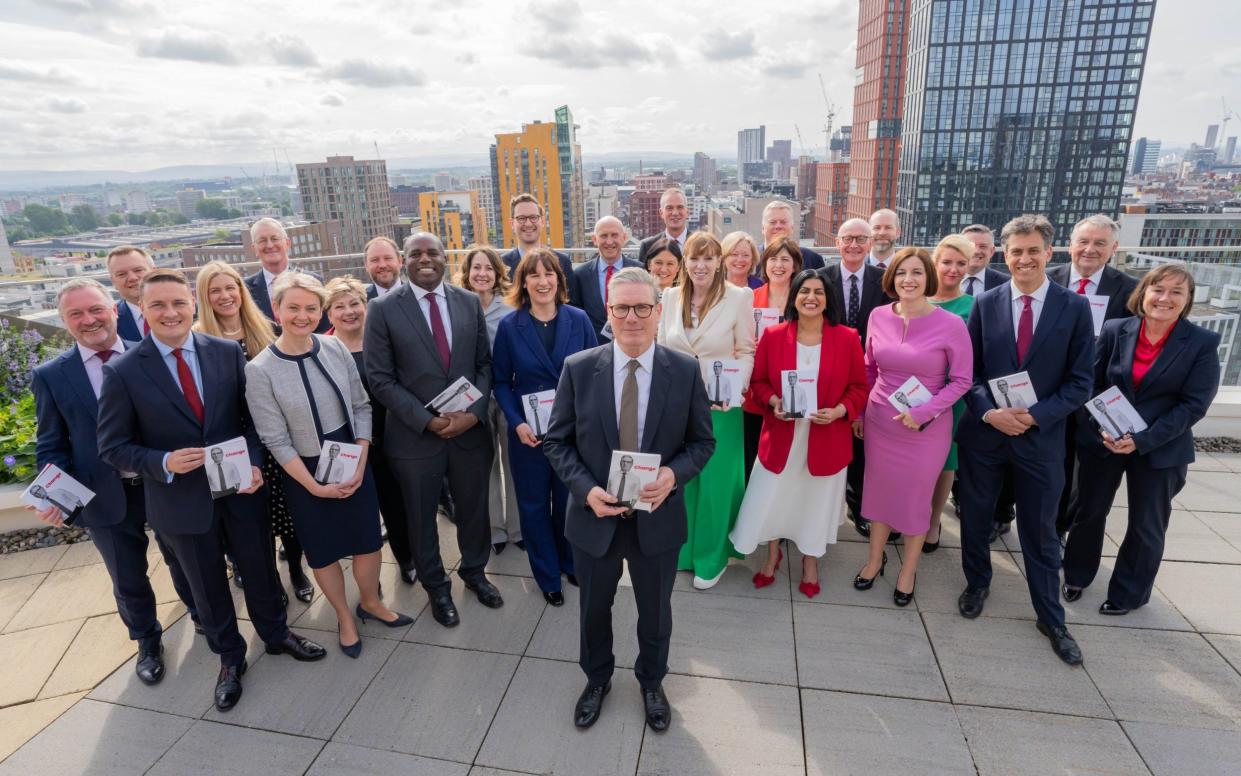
(18, 71)
(291, 50)
(65, 105)
(725, 46)
(374, 73)
(192, 45)
(332, 100)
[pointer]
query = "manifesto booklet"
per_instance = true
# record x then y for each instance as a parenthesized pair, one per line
(763, 318)
(629, 474)
(1014, 390)
(458, 397)
(1114, 414)
(911, 393)
(338, 462)
(54, 488)
(538, 409)
(228, 467)
(723, 379)
(799, 392)
(1098, 311)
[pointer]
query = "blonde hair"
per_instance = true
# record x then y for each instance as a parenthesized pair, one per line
(697, 244)
(287, 281)
(733, 239)
(341, 286)
(256, 330)
(958, 242)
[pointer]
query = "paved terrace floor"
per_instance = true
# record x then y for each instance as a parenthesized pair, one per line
(763, 682)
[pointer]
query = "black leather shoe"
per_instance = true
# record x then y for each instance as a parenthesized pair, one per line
(1109, 608)
(1064, 645)
(228, 686)
(487, 593)
(299, 648)
(499, 547)
(998, 530)
(572, 579)
(444, 612)
(521, 544)
(301, 585)
(589, 704)
(150, 667)
(1070, 593)
(555, 598)
(900, 597)
(658, 712)
(860, 524)
(409, 576)
(199, 629)
(970, 602)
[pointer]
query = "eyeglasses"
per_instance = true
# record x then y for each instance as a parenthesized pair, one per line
(854, 239)
(527, 219)
(640, 310)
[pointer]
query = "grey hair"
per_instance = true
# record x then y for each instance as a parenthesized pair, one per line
(1100, 220)
(409, 242)
(79, 283)
(777, 204)
(883, 211)
(663, 198)
(1028, 224)
(268, 221)
(634, 276)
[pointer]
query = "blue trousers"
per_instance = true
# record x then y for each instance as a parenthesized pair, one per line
(541, 503)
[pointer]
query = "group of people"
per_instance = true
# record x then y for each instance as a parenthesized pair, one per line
(780, 394)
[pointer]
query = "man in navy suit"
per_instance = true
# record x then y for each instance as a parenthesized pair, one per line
(674, 212)
(1092, 245)
(1035, 326)
(127, 264)
(382, 259)
(162, 403)
(777, 222)
(885, 227)
(529, 224)
(66, 391)
(271, 245)
(588, 280)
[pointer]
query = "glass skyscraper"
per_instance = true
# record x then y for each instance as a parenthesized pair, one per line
(1017, 106)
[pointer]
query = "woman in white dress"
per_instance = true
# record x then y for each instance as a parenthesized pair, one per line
(797, 488)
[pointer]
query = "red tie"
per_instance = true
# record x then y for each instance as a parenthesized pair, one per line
(104, 355)
(1025, 328)
(1081, 285)
(607, 281)
(187, 385)
(437, 330)
(146, 327)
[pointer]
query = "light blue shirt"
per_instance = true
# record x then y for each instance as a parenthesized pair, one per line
(190, 354)
(603, 274)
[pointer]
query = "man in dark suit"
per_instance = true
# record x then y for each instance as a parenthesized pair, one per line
(382, 259)
(1092, 245)
(588, 282)
(420, 339)
(66, 391)
(162, 403)
(271, 245)
(885, 227)
(778, 222)
(1033, 326)
(127, 264)
(858, 287)
(636, 396)
(529, 224)
(674, 212)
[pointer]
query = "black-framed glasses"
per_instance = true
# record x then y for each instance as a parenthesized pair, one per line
(854, 239)
(527, 219)
(640, 310)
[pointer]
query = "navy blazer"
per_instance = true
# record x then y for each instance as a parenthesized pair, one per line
(1116, 285)
(143, 415)
(512, 257)
(126, 325)
(872, 295)
(519, 363)
(584, 290)
(1059, 363)
(258, 290)
(1175, 394)
(583, 433)
(992, 277)
(813, 259)
(68, 415)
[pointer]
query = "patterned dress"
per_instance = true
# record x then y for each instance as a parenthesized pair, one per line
(281, 518)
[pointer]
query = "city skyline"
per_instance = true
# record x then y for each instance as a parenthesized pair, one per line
(129, 85)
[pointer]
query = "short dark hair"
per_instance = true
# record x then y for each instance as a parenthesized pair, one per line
(163, 276)
(661, 244)
(781, 243)
(518, 296)
(1156, 275)
(121, 250)
(889, 274)
(525, 196)
(1029, 224)
(831, 312)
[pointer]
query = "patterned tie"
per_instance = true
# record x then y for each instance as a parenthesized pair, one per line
(969, 287)
(628, 429)
(437, 331)
(607, 281)
(1025, 328)
(1081, 285)
(855, 302)
(187, 385)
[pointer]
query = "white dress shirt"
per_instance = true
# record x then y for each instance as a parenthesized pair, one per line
(380, 291)
(1036, 305)
(620, 366)
(441, 301)
(680, 241)
(136, 312)
(979, 286)
(269, 279)
(94, 367)
(1092, 281)
(874, 262)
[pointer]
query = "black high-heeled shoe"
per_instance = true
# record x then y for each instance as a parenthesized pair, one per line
(302, 588)
(401, 619)
(862, 583)
(929, 547)
(901, 598)
(351, 650)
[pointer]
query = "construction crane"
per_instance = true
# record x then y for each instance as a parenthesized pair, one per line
(804, 150)
(831, 117)
(1223, 125)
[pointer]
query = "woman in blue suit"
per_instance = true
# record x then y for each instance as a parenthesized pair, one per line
(530, 348)
(1168, 369)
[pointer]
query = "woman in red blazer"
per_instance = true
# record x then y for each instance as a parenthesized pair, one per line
(808, 383)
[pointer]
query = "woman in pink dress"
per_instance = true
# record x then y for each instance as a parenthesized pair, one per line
(906, 448)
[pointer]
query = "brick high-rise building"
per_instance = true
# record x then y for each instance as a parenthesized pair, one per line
(544, 159)
(878, 101)
(830, 201)
(354, 192)
(644, 218)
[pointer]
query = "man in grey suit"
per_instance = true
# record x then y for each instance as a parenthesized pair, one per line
(636, 396)
(420, 339)
(588, 283)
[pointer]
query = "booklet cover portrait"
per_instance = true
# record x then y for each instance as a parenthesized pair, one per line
(538, 410)
(723, 379)
(458, 397)
(1114, 414)
(628, 474)
(912, 393)
(228, 467)
(1013, 390)
(799, 392)
(338, 462)
(54, 488)
(764, 317)
(1098, 311)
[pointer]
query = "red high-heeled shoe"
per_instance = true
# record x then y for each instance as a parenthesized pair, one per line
(761, 580)
(809, 589)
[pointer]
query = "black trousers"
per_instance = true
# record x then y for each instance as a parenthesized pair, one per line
(1150, 508)
(248, 535)
(1064, 521)
(652, 577)
(854, 477)
(421, 479)
(391, 507)
(1037, 485)
(752, 429)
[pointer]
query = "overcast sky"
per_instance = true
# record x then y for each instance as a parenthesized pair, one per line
(138, 84)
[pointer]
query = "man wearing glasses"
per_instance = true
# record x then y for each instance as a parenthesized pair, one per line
(588, 283)
(529, 226)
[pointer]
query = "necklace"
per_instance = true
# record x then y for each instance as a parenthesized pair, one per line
(228, 333)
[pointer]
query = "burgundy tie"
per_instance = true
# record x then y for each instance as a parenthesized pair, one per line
(187, 385)
(1025, 328)
(146, 327)
(437, 330)
(607, 281)
(1081, 285)
(104, 355)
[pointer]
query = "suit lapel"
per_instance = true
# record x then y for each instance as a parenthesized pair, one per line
(1002, 302)
(1053, 307)
(209, 363)
(1172, 350)
(605, 388)
(408, 303)
(525, 324)
(157, 372)
(258, 289)
(1127, 343)
(590, 291)
(661, 383)
(74, 372)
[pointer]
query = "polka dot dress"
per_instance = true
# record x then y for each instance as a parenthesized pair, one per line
(281, 519)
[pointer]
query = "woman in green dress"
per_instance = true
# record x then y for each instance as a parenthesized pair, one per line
(706, 317)
(951, 257)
